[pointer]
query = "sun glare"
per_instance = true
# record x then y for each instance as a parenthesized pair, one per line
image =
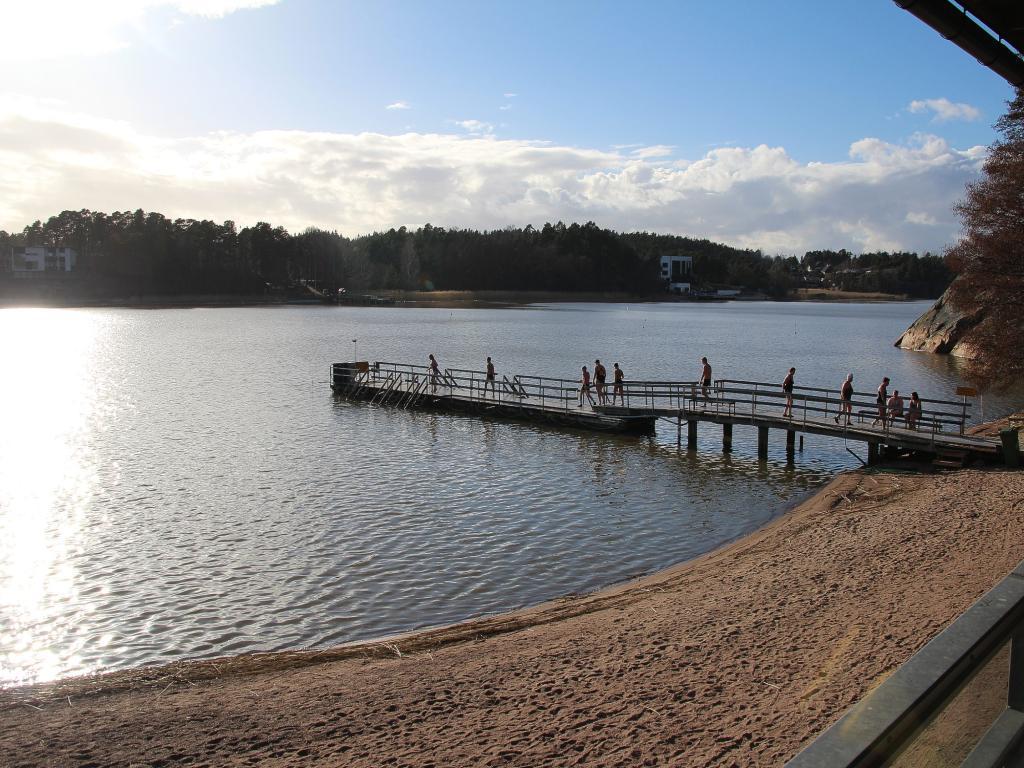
(46, 476)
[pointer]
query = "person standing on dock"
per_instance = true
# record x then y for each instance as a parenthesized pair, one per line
(846, 399)
(881, 401)
(913, 411)
(599, 377)
(489, 381)
(705, 377)
(434, 373)
(585, 387)
(618, 389)
(787, 387)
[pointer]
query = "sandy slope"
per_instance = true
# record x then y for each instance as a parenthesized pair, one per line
(737, 658)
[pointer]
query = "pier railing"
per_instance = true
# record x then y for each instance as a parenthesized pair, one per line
(734, 398)
(811, 402)
(886, 722)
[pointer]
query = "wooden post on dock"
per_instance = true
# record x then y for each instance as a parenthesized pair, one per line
(691, 435)
(762, 443)
(872, 453)
(790, 443)
(679, 431)
(727, 438)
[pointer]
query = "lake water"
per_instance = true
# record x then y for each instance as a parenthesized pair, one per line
(181, 483)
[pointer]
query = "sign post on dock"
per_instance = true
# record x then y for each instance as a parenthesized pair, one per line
(966, 392)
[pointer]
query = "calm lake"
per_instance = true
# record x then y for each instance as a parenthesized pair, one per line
(182, 483)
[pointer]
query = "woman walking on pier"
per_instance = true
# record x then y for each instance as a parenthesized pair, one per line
(913, 411)
(489, 381)
(585, 387)
(434, 373)
(787, 387)
(599, 377)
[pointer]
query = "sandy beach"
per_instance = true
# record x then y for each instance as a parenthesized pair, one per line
(738, 658)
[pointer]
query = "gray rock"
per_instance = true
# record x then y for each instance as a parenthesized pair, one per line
(942, 329)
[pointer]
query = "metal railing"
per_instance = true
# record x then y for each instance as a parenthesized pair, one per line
(881, 725)
(811, 402)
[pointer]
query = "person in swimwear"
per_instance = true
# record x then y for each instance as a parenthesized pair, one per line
(705, 377)
(599, 377)
(846, 399)
(787, 387)
(489, 381)
(618, 389)
(585, 387)
(434, 373)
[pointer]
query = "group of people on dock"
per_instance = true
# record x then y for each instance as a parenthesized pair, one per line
(890, 408)
(600, 376)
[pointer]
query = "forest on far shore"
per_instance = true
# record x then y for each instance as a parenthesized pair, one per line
(135, 252)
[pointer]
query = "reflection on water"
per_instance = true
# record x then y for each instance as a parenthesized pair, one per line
(181, 483)
(47, 484)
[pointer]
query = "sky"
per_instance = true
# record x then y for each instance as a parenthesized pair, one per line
(780, 126)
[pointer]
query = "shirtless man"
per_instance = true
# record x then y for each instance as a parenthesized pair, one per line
(705, 377)
(895, 407)
(618, 389)
(846, 399)
(881, 401)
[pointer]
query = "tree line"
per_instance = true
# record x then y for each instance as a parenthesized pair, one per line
(150, 253)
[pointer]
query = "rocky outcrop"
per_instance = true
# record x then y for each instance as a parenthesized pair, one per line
(942, 329)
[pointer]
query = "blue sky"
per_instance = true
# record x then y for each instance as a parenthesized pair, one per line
(784, 126)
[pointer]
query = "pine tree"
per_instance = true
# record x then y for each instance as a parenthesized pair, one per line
(989, 258)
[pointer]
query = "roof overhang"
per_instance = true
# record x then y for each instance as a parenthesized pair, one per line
(992, 31)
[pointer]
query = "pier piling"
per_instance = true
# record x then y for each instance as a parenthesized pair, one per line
(727, 438)
(762, 443)
(691, 435)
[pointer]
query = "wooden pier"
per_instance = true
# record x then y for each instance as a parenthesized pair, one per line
(939, 433)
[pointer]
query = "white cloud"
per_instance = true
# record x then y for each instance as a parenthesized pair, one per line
(945, 110)
(510, 95)
(398, 105)
(505, 107)
(475, 126)
(919, 217)
(658, 150)
(757, 197)
(46, 29)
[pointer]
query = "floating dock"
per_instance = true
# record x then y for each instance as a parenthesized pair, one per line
(940, 432)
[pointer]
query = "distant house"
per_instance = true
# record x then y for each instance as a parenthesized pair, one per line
(41, 260)
(676, 272)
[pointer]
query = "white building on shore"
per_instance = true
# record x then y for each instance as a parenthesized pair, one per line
(676, 272)
(41, 260)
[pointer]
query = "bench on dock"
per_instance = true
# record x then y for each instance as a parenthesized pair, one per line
(714, 400)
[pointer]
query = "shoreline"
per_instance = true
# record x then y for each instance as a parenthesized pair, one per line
(445, 300)
(429, 637)
(738, 656)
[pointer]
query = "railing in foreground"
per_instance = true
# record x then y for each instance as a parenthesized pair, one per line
(876, 729)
